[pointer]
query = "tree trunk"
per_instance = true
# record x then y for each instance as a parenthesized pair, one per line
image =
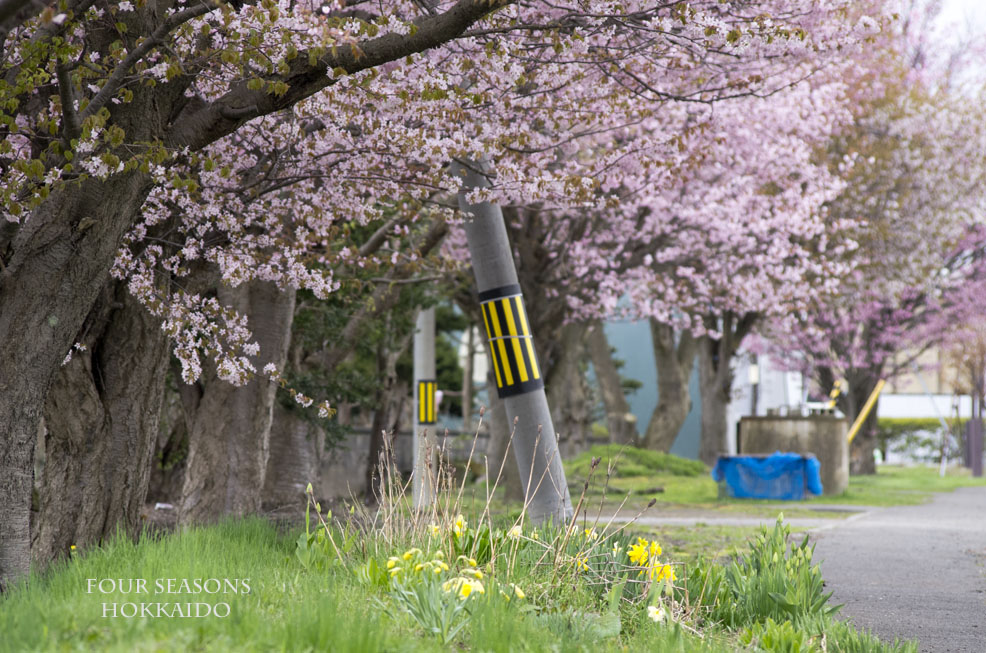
(389, 402)
(101, 420)
(46, 292)
(715, 383)
(861, 459)
(229, 436)
(674, 361)
(567, 394)
(621, 423)
(168, 466)
(296, 446)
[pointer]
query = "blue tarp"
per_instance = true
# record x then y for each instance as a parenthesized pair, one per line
(784, 476)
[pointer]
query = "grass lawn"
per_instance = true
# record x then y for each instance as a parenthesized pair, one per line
(385, 583)
(895, 485)
(538, 592)
(677, 484)
(710, 541)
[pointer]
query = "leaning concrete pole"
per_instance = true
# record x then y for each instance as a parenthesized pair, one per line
(425, 385)
(518, 375)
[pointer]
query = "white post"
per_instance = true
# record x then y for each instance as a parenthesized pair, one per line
(425, 411)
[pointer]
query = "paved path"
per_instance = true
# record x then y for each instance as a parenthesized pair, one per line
(693, 517)
(796, 523)
(914, 572)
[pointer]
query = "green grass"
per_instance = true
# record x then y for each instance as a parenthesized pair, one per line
(285, 609)
(676, 483)
(329, 607)
(895, 485)
(709, 541)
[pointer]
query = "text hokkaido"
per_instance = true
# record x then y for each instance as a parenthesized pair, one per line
(182, 610)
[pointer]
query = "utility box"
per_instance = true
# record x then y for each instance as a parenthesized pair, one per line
(821, 435)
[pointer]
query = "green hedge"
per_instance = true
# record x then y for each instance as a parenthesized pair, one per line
(902, 434)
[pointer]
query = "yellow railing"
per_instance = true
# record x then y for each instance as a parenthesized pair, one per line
(867, 407)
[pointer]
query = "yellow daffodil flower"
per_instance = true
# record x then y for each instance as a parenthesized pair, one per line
(392, 562)
(514, 533)
(460, 525)
(659, 572)
(463, 586)
(638, 553)
(591, 534)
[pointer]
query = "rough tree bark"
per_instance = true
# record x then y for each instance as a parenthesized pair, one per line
(46, 292)
(171, 450)
(674, 361)
(620, 421)
(229, 434)
(716, 379)
(567, 394)
(296, 446)
(101, 419)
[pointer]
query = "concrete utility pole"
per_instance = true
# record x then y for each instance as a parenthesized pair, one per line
(518, 375)
(423, 477)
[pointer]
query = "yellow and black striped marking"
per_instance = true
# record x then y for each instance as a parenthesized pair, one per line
(426, 401)
(834, 394)
(514, 363)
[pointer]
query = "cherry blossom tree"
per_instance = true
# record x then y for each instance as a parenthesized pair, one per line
(914, 176)
(121, 122)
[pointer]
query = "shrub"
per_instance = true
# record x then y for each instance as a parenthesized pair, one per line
(846, 639)
(632, 461)
(914, 434)
(778, 638)
(774, 580)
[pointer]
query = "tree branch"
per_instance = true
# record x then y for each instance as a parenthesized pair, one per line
(71, 127)
(205, 124)
(115, 81)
